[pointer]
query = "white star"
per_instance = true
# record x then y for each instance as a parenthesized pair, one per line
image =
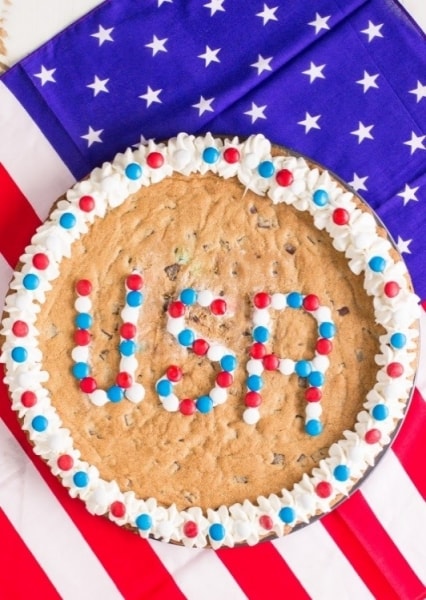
(215, 6)
(420, 91)
(268, 14)
(320, 23)
(402, 246)
(160, 2)
(409, 194)
(368, 81)
(358, 183)
(363, 132)
(210, 55)
(45, 75)
(310, 122)
(256, 112)
(157, 45)
(204, 105)
(373, 31)
(314, 72)
(92, 136)
(262, 64)
(103, 35)
(151, 96)
(416, 142)
(143, 141)
(98, 85)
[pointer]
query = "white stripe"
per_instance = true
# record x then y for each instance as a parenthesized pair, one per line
(401, 510)
(198, 573)
(5, 277)
(47, 530)
(322, 569)
(421, 371)
(29, 158)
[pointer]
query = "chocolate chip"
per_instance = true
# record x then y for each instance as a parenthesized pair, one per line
(343, 311)
(290, 248)
(172, 271)
(253, 210)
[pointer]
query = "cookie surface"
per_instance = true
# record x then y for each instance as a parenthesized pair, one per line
(287, 253)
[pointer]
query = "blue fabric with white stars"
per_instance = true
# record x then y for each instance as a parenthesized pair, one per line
(319, 77)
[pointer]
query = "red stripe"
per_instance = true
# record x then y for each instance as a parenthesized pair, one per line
(20, 574)
(128, 559)
(410, 444)
(18, 220)
(262, 573)
(371, 552)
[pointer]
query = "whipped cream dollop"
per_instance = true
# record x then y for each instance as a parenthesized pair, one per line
(353, 231)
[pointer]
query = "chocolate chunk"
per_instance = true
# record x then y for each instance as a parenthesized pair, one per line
(172, 271)
(343, 311)
(278, 459)
(264, 223)
(240, 479)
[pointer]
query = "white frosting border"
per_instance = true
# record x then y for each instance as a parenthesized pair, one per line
(359, 240)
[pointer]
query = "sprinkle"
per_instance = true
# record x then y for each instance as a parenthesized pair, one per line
(340, 216)
(287, 514)
(133, 171)
(210, 155)
(320, 197)
(39, 423)
(81, 479)
(284, 178)
(31, 281)
(155, 160)
(217, 532)
(67, 220)
(231, 155)
(266, 169)
(86, 203)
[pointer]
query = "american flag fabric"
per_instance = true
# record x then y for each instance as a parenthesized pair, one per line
(343, 82)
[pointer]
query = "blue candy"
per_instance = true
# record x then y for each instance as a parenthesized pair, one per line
(188, 296)
(19, 354)
(398, 340)
(380, 412)
(341, 472)
(81, 479)
(266, 169)
(228, 362)
(31, 281)
(217, 532)
(294, 300)
(320, 197)
(144, 522)
(287, 514)
(210, 155)
(134, 298)
(67, 220)
(204, 404)
(254, 383)
(164, 387)
(39, 423)
(261, 334)
(327, 330)
(313, 427)
(80, 370)
(316, 378)
(302, 368)
(127, 348)
(377, 264)
(186, 337)
(115, 393)
(83, 320)
(133, 171)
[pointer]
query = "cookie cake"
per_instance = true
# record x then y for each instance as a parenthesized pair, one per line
(210, 340)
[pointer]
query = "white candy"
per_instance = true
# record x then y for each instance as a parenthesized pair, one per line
(83, 304)
(135, 393)
(251, 416)
(98, 397)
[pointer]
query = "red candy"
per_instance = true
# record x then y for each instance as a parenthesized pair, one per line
(218, 307)
(118, 509)
(200, 347)
(174, 373)
(86, 203)
(128, 331)
(271, 362)
(155, 160)
(40, 261)
(20, 329)
(258, 350)
(231, 155)
(82, 337)
(134, 281)
(323, 489)
(391, 289)
(262, 300)
(311, 302)
(88, 385)
(28, 399)
(176, 309)
(324, 346)
(341, 216)
(395, 369)
(124, 380)
(284, 177)
(253, 399)
(83, 287)
(187, 407)
(65, 462)
(266, 522)
(190, 529)
(372, 436)
(224, 379)
(313, 394)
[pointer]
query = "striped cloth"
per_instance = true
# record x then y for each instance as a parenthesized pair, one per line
(372, 546)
